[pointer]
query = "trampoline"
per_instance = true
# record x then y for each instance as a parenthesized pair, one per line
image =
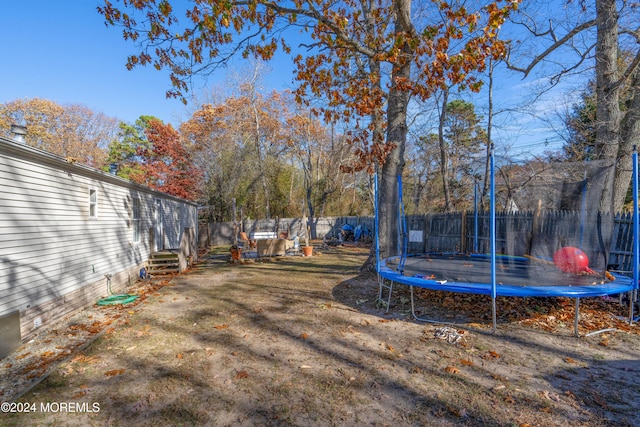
(539, 270)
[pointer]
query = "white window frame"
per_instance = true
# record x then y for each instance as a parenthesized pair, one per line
(93, 203)
(136, 219)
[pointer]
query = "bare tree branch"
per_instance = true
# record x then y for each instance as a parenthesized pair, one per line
(321, 18)
(557, 44)
(631, 68)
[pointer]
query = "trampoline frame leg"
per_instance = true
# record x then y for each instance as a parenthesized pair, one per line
(439, 322)
(381, 287)
(494, 315)
(633, 297)
(494, 312)
(575, 320)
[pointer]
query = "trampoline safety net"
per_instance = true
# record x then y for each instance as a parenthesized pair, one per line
(553, 226)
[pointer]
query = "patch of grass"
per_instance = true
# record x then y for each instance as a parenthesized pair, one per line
(382, 305)
(55, 380)
(181, 414)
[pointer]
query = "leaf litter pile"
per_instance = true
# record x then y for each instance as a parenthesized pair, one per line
(548, 314)
(303, 341)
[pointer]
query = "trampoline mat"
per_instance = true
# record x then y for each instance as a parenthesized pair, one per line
(512, 271)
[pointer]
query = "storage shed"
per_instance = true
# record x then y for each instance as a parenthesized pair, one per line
(64, 227)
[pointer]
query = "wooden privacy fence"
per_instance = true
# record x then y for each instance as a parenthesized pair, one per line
(603, 237)
(537, 233)
(222, 233)
(621, 253)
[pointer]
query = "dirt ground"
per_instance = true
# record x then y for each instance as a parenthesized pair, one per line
(303, 341)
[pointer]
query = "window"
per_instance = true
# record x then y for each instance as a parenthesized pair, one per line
(136, 219)
(93, 203)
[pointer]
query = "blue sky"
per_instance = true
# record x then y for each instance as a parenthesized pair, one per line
(62, 51)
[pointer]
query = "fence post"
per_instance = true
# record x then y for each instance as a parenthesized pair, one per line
(535, 223)
(463, 232)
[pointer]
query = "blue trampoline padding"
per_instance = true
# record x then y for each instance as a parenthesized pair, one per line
(621, 284)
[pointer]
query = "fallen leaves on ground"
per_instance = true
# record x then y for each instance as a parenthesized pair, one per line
(82, 358)
(52, 346)
(114, 372)
(491, 355)
(548, 314)
(599, 400)
(241, 375)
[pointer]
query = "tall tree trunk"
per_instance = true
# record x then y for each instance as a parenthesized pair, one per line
(444, 154)
(629, 138)
(397, 104)
(308, 181)
(487, 164)
(261, 163)
(388, 218)
(377, 118)
(608, 114)
(292, 182)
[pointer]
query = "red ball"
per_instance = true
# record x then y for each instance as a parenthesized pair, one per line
(571, 260)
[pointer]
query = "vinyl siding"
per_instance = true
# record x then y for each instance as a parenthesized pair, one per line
(50, 247)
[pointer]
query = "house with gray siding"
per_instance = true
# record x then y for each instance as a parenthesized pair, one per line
(65, 228)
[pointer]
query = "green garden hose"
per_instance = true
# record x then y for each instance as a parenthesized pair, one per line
(117, 298)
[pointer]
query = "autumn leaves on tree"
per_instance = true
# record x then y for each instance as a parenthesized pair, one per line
(148, 152)
(166, 164)
(74, 131)
(152, 153)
